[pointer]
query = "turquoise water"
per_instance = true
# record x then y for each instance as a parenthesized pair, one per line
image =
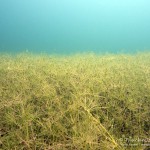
(70, 26)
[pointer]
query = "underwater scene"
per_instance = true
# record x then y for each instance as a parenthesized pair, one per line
(74, 75)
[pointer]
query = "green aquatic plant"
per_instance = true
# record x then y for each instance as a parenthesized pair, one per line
(82, 101)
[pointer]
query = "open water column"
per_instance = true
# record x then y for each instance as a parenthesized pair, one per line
(64, 26)
(74, 74)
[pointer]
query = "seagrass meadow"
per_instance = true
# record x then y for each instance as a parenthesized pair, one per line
(76, 102)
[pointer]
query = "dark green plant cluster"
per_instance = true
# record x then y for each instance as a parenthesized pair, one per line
(79, 102)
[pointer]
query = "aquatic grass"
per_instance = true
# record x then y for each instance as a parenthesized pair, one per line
(83, 101)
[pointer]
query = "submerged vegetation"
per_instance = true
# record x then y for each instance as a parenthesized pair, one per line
(80, 102)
